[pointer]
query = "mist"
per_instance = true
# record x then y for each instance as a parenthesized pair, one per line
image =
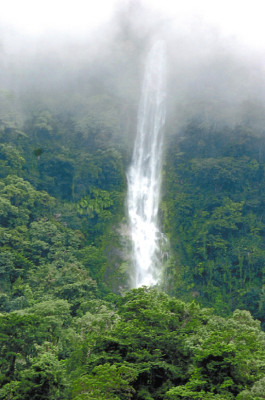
(213, 77)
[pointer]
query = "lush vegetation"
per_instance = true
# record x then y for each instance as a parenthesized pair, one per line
(214, 216)
(69, 326)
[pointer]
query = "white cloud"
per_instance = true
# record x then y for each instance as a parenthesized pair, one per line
(39, 16)
(243, 19)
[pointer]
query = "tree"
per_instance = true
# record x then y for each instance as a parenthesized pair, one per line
(19, 336)
(228, 357)
(106, 381)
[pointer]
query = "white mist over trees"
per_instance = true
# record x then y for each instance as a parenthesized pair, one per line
(94, 79)
(210, 74)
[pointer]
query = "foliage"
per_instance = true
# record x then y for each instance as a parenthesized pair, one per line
(106, 381)
(174, 350)
(214, 216)
(68, 327)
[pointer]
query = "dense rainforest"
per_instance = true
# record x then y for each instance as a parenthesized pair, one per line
(70, 326)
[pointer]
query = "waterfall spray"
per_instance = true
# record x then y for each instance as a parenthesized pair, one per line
(144, 175)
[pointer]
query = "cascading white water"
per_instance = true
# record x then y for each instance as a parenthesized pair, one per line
(144, 175)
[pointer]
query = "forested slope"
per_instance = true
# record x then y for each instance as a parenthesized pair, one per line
(70, 329)
(214, 216)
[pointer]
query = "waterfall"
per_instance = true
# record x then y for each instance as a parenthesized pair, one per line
(144, 175)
